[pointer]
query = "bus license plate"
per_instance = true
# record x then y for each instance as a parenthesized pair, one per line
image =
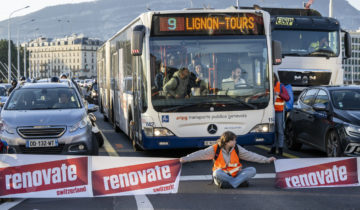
(42, 143)
(209, 143)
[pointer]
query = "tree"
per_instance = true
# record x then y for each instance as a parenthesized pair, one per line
(4, 58)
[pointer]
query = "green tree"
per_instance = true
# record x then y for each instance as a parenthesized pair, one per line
(4, 59)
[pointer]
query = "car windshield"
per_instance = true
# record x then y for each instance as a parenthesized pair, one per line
(346, 99)
(224, 73)
(43, 98)
(308, 43)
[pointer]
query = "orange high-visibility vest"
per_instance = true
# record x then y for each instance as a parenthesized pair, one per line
(234, 165)
(279, 102)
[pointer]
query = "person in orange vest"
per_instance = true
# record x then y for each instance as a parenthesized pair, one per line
(281, 95)
(227, 168)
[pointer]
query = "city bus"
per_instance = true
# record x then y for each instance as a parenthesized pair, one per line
(305, 63)
(164, 44)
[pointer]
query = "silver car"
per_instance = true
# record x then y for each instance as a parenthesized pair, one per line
(47, 118)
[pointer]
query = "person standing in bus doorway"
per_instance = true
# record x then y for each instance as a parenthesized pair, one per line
(226, 154)
(178, 85)
(281, 95)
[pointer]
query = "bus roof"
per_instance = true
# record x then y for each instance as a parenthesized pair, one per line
(288, 11)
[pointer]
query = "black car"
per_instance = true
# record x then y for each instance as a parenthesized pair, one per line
(327, 118)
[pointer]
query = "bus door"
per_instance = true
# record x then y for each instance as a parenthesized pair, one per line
(137, 89)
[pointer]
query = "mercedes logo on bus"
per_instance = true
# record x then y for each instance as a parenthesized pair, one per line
(212, 128)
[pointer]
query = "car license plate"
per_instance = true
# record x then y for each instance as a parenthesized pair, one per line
(42, 143)
(209, 143)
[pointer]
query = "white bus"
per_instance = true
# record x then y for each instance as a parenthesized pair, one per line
(311, 47)
(131, 84)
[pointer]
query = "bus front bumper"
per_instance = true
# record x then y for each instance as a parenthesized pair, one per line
(173, 142)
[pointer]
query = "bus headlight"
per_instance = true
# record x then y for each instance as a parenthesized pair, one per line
(156, 132)
(263, 128)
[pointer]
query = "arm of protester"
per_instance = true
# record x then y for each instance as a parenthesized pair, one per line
(204, 154)
(253, 157)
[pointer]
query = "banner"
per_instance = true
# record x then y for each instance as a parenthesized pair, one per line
(57, 176)
(317, 172)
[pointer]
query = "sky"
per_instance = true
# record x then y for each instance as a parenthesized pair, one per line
(35, 5)
(12, 5)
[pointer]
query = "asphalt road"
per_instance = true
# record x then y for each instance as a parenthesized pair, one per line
(202, 194)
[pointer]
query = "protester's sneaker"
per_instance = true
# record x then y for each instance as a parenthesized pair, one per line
(244, 184)
(226, 185)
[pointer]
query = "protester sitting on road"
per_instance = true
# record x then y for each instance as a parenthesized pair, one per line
(227, 169)
(177, 86)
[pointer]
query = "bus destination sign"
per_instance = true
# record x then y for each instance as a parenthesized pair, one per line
(208, 24)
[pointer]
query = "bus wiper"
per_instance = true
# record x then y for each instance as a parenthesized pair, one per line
(243, 102)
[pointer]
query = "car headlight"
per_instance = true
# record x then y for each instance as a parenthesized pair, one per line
(352, 130)
(5, 127)
(263, 128)
(81, 124)
(156, 132)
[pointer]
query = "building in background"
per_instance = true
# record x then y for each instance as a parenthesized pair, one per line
(351, 66)
(74, 55)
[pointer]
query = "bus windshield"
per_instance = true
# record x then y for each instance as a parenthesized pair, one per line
(308, 43)
(202, 73)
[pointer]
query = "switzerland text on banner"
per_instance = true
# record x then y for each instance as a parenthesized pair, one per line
(317, 172)
(44, 176)
(113, 176)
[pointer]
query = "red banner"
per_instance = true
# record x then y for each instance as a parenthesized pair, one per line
(331, 173)
(44, 176)
(157, 175)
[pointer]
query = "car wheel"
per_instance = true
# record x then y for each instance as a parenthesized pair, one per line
(333, 148)
(99, 139)
(290, 137)
(95, 146)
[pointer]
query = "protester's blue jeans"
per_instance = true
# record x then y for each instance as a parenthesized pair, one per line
(279, 130)
(244, 175)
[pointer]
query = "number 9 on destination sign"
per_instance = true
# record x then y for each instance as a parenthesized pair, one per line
(172, 23)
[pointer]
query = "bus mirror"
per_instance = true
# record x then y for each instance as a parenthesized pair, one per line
(276, 52)
(347, 42)
(137, 38)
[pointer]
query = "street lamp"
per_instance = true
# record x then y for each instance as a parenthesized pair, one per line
(18, 51)
(9, 47)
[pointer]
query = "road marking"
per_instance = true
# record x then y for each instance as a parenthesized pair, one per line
(284, 154)
(209, 177)
(107, 146)
(142, 201)
(9, 205)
